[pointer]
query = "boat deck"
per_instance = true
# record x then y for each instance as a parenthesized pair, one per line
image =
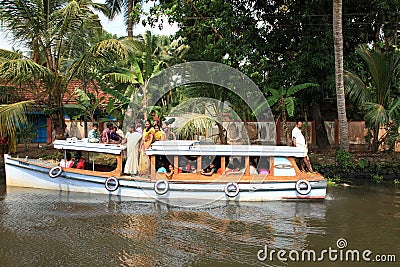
(185, 177)
(217, 178)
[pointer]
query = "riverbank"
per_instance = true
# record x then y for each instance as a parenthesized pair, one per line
(336, 165)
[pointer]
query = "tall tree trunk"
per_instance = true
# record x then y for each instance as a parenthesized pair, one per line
(130, 22)
(338, 48)
(375, 140)
(145, 100)
(320, 131)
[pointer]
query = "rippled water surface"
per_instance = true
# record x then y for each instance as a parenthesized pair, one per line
(47, 228)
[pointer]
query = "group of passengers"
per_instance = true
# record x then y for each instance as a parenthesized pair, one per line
(137, 140)
(77, 161)
(110, 135)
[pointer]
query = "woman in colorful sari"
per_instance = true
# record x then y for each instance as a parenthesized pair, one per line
(147, 140)
(158, 134)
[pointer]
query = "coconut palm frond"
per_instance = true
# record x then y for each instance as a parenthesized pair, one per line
(194, 124)
(394, 109)
(109, 49)
(12, 116)
(376, 114)
(22, 70)
(380, 69)
(356, 89)
(5, 54)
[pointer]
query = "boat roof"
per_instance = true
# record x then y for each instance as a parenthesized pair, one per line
(195, 148)
(89, 147)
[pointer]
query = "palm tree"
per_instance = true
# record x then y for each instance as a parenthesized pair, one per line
(338, 48)
(56, 29)
(375, 95)
(129, 8)
(13, 116)
(151, 54)
(122, 84)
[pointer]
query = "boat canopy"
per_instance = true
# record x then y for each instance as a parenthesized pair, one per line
(195, 148)
(89, 147)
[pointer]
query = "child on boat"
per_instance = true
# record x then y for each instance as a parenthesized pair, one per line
(114, 137)
(209, 170)
(170, 172)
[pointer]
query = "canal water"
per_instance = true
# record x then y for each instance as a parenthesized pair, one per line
(354, 226)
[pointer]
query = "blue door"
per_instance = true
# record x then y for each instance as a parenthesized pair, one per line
(40, 124)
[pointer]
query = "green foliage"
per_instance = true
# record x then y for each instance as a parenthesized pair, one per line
(362, 163)
(26, 134)
(196, 125)
(12, 117)
(377, 167)
(377, 178)
(343, 159)
(87, 104)
(396, 182)
(279, 43)
(375, 94)
(334, 181)
(56, 37)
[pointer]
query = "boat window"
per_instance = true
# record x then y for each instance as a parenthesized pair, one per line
(235, 165)
(91, 161)
(206, 160)
(261, 164)
(162, 163)
(187, 164)
(283, 167)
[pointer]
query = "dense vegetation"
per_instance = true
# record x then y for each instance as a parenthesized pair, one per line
(278, 44)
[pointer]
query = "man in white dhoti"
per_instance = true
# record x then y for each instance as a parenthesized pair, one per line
(132, 144)
(299, 141)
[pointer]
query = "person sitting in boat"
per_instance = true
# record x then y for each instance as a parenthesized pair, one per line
(105, 134)
(193, 169)
(79, 162)
(253, 169)
(209, 170)
(67, 162)
(158, 134)
(234, 168)
(115, 138)
(94, 135)
(263, 166)
(170, 172)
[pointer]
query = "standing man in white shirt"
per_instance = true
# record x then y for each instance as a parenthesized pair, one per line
(299, 141)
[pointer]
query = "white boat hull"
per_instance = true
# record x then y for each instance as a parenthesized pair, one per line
(23, 174)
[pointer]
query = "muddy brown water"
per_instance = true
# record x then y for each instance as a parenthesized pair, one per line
(48, 228)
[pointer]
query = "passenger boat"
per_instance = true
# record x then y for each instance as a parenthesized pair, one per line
(280, 179)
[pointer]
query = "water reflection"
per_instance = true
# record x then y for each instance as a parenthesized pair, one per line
(73, 229)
